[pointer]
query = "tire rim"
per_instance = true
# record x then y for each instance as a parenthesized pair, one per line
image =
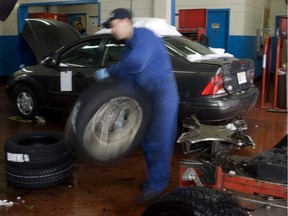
(25, 103)
(112, 129)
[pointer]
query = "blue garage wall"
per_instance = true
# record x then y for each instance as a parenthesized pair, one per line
(9, 60)
(245, 47)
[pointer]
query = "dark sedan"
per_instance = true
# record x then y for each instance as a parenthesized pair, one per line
(214, 89)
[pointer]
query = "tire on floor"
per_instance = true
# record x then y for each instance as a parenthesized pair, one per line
(195, 201)
(36, 149)
(39, 178)
(109, 119)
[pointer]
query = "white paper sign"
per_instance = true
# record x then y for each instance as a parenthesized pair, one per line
(66, 80)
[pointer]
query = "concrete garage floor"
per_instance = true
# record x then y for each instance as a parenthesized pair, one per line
(98, 189)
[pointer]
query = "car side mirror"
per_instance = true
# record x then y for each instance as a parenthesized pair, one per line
(49, 62)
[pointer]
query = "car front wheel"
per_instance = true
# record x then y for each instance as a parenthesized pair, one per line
(26, 102)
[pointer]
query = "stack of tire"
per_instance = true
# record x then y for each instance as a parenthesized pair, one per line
(37, 159)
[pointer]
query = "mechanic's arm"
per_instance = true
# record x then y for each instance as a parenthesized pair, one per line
(142, 53)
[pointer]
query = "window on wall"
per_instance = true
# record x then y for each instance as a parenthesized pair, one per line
(265, 28)
(75, 18)
(266, 18)
(84, 11)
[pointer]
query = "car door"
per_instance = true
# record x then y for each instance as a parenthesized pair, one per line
(76, 66)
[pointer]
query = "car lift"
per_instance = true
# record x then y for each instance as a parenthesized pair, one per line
(279, 63)
(223, 172)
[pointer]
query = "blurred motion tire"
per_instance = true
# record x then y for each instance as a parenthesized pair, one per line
(109, 119)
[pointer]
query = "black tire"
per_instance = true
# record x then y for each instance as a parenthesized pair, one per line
(26, 102)
(39, 178)
(109, 119)
(195, 201)
(282, 144)
(36, 149)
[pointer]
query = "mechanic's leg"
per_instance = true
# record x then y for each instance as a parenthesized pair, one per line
(158, 144)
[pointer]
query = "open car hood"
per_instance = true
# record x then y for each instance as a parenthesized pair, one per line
(46, 36)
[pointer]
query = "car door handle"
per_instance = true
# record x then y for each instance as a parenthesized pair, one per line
(79, 75)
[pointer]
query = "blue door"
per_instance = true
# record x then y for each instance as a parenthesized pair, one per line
(218, 28)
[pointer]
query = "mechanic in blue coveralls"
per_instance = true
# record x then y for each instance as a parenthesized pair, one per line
(146, 61)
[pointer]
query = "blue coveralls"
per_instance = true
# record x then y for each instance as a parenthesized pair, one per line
(146, 61)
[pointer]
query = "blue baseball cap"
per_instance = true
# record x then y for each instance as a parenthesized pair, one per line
(119, 13)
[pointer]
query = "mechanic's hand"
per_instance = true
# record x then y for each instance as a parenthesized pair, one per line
(22, 66)
(101, 73)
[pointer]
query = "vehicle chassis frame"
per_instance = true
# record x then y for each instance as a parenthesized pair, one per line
(250, 193)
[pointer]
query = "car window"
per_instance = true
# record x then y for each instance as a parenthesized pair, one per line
(184, 47)
(113, 52)
(82, 55)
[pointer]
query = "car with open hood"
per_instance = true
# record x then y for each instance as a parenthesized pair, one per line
(214, 87)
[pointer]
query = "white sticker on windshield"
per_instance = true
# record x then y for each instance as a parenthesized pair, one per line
(66, 80)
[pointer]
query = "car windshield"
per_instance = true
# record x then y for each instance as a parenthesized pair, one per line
(185, 47)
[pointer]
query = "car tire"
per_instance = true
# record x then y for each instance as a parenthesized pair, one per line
(26, 102)
(39, 178)
(109, 119)
(36, 149)
(194, 201)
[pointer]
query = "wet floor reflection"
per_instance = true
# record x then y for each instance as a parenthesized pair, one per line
(109, 189)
